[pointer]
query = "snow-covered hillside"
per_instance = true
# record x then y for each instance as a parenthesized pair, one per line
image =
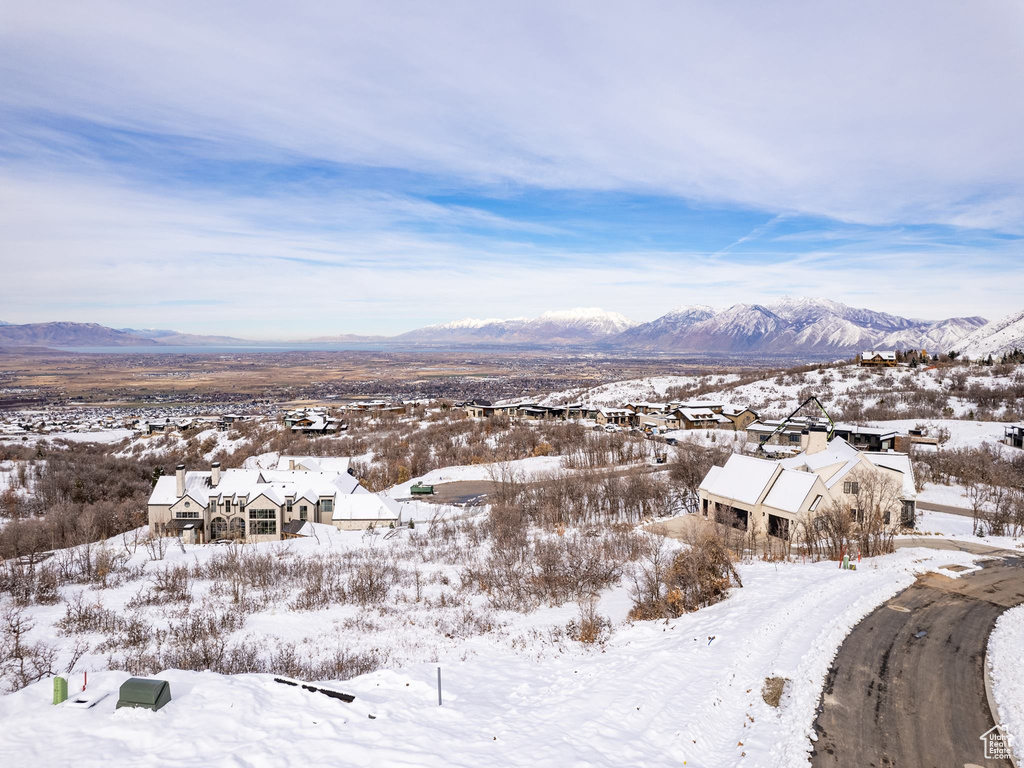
(995, 338)
(650, 388)
(665, 693)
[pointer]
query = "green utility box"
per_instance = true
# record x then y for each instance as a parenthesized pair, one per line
(60, 690)
(422, 490)
(140, 692)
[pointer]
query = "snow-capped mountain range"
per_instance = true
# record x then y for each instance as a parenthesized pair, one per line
(994, 338)
(788, 326)
(573, 326)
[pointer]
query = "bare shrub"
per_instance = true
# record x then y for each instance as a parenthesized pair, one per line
(590, 627)
(699, 575)
(22, 662)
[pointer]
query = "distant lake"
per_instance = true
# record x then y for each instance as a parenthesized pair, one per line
(214, 349)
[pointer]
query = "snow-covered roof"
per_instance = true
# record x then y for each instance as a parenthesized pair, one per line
(314, 463)
(898, 462)
(743, 478)
(838, 451)
(735, 410)
(364, 507)
(698, 414)
(883, 354)
(277, 485)
(880, 431)
(790, 489)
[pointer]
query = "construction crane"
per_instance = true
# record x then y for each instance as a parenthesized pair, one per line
(788, 419)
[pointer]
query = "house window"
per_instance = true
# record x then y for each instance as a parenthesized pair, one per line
(327, 505)
(816, 502)
(855, 514)
(187, 505)
(794, 438)
(820, 522)
(302, 513)
(851, 487)
(262, 522)
(187, 514)
(227, 506)
(289, 507)
(263, 527)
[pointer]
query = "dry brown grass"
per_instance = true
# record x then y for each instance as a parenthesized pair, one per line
(773, 689)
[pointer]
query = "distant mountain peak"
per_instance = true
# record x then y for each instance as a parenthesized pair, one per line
(568, 326)
(792, 325)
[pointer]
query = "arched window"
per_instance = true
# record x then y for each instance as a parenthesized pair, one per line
(218, 528)
(236, 528)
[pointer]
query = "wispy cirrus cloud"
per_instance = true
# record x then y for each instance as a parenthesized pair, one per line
(419, 162)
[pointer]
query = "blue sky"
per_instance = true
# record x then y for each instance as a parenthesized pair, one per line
(277, 172)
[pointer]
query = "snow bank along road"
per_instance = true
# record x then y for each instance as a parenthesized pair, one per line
(907, 687)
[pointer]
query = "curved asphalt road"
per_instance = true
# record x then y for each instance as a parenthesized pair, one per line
(896, 698)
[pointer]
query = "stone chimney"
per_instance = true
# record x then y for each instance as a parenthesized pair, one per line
(815, 439)
(291, 463)
(215, 474)
(179, 477)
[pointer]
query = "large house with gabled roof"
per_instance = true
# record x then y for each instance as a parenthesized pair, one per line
(771, 496)
(265, 504)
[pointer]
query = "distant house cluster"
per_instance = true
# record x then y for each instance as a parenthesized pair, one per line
(782, 437)
(266, 504)
(313, 421)
(23, 423)
(168, 424)
(651, 417)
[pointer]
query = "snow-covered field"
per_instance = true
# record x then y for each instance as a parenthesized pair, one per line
(657, 693)
(778, 395)
(650, 388)
(961, 528)
(962, 433)
(1007, 674)
(949, 495)
(522, 469)
(98, 436)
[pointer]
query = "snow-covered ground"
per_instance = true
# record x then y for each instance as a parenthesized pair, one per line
(960, 527)
(779, 394)
(1007, 674)
(98, 436)
(650, 388)
(521, 469)
(962, 433)
(683, 691)
(949, 495)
